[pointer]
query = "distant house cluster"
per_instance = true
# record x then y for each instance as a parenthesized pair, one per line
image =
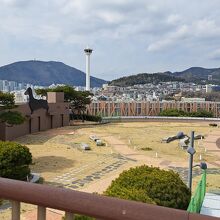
(147, 92)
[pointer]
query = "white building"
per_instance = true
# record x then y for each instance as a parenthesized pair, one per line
(208, 88)
(20, 97)
(183, 99)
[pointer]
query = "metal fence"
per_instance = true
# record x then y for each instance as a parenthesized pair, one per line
(115, 118)
(198, 198)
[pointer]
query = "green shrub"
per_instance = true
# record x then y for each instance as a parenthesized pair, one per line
(181, 113)
(213, 125)
(95, 118)
(202, 113)
(12, 117)
(151, 185)
(173, 112)
(14, 160)
(81, 217)
(146, 148)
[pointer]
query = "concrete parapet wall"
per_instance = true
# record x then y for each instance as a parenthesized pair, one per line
(40, 120)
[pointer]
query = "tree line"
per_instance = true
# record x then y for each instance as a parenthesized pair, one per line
(78, 101)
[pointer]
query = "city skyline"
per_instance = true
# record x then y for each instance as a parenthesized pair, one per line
(128, 37)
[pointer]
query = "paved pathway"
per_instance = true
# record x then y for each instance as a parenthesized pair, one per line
(212, 144)
(183, 172)
(76, 178)
(126, 151)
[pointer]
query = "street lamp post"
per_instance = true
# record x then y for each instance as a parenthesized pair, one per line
(191, 152)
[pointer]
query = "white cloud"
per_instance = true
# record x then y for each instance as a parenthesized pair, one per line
(125, 28)
(170, 39)
(215, 55)
(173, 19)
(194, 32)
(110, 17)
(206, 28)
(15, 3)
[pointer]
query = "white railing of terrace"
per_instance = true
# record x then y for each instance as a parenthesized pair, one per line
(161, 118)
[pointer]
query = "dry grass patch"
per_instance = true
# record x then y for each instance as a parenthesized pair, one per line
(149, 135)
(54, 153)
(212, 182)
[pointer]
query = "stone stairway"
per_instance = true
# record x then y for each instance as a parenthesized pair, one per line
(211, 205)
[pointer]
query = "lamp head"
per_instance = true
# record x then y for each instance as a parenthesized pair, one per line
(203, 165)
(191, 150)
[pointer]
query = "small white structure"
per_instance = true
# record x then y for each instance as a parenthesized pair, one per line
(88, 52)
(85, 146)
(93, 137)
(99, 143)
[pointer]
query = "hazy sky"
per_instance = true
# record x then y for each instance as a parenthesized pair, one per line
(128, 36)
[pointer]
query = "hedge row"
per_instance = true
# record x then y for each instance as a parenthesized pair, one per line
(181, 113)
(86, 117)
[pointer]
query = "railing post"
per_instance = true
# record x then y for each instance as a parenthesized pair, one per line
(69, 216)
(15, 213)
(41, 213)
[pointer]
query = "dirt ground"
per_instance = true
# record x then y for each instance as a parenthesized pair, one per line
(139, 135)
(56, 152)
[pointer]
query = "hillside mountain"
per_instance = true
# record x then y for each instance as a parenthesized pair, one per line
(46, 73)
(144, 78)
(199, 74)
(193, 74)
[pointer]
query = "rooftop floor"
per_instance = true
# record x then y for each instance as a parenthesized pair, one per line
(211, 205)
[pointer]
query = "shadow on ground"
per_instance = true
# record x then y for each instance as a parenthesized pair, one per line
(44, 136)
(51, 164)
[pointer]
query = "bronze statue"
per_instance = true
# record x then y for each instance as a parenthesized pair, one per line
(35, 104)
